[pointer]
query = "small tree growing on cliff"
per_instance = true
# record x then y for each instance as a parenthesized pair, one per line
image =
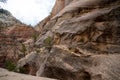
(48, 42)
(10, 65)
(24, 49)
(34, 36)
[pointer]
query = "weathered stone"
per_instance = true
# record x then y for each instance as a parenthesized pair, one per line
(21, 32)
(7, 75)
(65, 64)
(86, 38)
(6, 19)
(41, 40)
(12, 34)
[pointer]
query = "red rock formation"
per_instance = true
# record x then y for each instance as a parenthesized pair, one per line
(21, 32)
(59, 5)
(12, 35)
(86, 41)
(9, 49)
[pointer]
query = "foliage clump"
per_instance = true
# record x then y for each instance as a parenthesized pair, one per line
(34, 37)
(10, 65)
(23, 49)
(48, 42)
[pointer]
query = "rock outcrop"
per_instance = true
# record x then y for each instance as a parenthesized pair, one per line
(6, 19)
(80, 40)
(13, 34)
(9, 49)
(59, 5)
(7, 75)
(84, 41)
(13, 27)
(21, 32)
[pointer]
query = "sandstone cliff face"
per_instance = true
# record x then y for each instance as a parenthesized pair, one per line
(13, 27)
(59, 5)
(81, 40)
(13, 34)
(8, 49)
(21, 32)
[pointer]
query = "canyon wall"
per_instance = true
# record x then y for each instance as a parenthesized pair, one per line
(59, 5)
(80, 40)
(13, 34)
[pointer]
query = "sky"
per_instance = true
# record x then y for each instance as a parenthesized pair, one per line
(29, 11)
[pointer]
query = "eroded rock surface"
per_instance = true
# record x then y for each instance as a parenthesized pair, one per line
(6, 19)
(86, 41)
(59, 5)
(21, 32)
(7, 75)
(80, 40)
(13, 34)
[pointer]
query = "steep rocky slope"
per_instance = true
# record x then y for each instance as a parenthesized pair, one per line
(6, 19)
(59, 5)
(21, 32)
(13, 34)
(80, 40)
(9, 25)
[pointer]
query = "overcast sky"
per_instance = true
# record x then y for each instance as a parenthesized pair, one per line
(29, 11)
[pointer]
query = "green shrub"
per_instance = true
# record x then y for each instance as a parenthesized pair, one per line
(48, 42)
(24, 49)
(10, 65)
(34, 36)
